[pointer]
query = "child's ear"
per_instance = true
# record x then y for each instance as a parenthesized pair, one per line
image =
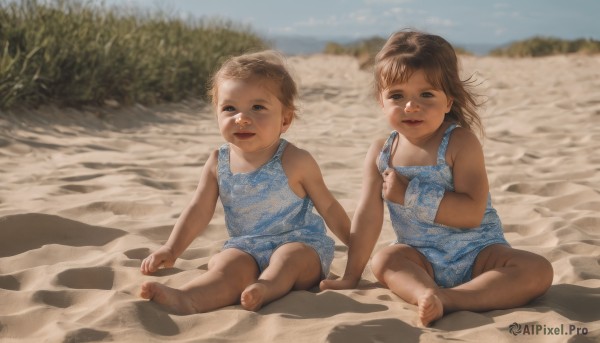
(286, 122)
(450, 102)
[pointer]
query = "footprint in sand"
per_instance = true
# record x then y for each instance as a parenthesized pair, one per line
(60, 299)
(24, 232)
(86, 278)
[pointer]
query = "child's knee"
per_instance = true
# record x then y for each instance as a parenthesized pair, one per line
(296, 255)
(295, 251)
(539, 273)
(394, 258)
(381, 263)
(545, 273)
(378, 266)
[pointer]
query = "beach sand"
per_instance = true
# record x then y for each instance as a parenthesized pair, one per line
(86, 195)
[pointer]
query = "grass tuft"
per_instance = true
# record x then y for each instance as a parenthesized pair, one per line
(546, 46)
(74, 53)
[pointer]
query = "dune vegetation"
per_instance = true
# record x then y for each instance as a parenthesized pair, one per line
(546, 46)
(366, 49)
(74, 53)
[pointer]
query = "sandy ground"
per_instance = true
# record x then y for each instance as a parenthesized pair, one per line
(86, 195)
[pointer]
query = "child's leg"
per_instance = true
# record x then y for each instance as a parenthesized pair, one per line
(292, 266)
(229, 273)
(502, 277)
(407, 273)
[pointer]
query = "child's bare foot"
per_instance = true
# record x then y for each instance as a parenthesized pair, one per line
(253, 297)
(173, 300)
(430, 308)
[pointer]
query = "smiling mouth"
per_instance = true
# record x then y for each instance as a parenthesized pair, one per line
(412, 122)
(243, 135)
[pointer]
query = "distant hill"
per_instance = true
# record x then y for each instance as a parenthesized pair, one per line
(304, 45)
(299, 45)
(480, 49)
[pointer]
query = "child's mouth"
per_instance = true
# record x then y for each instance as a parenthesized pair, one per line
(243, 135)
(412, 122)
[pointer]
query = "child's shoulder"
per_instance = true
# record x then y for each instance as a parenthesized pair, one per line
(377, 144)
(298, 163)
(213, 159)
(214, 154)
(463, 142)
(295, 154)
(460, 137)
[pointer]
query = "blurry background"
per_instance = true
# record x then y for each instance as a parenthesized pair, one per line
(94, 53)
(478, 26)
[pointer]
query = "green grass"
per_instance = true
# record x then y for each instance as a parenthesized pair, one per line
(365, 50)
(546, 46)
(73, 53)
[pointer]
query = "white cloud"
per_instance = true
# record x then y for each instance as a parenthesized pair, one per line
(313, 22)
(387, 2)
(361, 17)
(436, 21)
(310, 22)
(394, 11)
(500, 31)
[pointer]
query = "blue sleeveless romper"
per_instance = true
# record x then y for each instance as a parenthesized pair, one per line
(451, 251)
(262, 213)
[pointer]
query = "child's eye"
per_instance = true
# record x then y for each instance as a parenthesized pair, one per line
(228, 109)
(258, 107)
(427, 95)
(396, 96)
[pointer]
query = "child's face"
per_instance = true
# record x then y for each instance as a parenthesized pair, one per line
(415, 108)
(250, 116)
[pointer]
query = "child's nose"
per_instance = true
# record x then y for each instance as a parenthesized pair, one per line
(242, 119)
(411, 106)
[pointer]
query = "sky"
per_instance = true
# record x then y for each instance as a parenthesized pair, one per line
(460, 21)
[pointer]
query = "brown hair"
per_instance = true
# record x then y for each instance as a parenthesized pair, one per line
(266, 65)
(408, 51)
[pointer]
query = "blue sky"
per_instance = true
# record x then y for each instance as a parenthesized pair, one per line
(460, 21)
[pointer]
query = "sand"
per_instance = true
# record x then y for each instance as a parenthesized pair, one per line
(86, 195)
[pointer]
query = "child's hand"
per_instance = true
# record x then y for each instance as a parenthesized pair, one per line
(161, 257)
(338, 284)
(394, 186)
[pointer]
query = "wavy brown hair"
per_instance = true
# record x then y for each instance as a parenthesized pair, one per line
(408, 51)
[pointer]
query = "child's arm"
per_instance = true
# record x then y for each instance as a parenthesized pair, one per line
(463, 208)
(366, 224)
(311, 179)
(471, 187)
(192, 221)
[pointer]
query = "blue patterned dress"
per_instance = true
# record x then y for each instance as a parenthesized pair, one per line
(451, 251)
(262, 213)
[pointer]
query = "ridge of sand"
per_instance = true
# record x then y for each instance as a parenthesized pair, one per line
(85, 195)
